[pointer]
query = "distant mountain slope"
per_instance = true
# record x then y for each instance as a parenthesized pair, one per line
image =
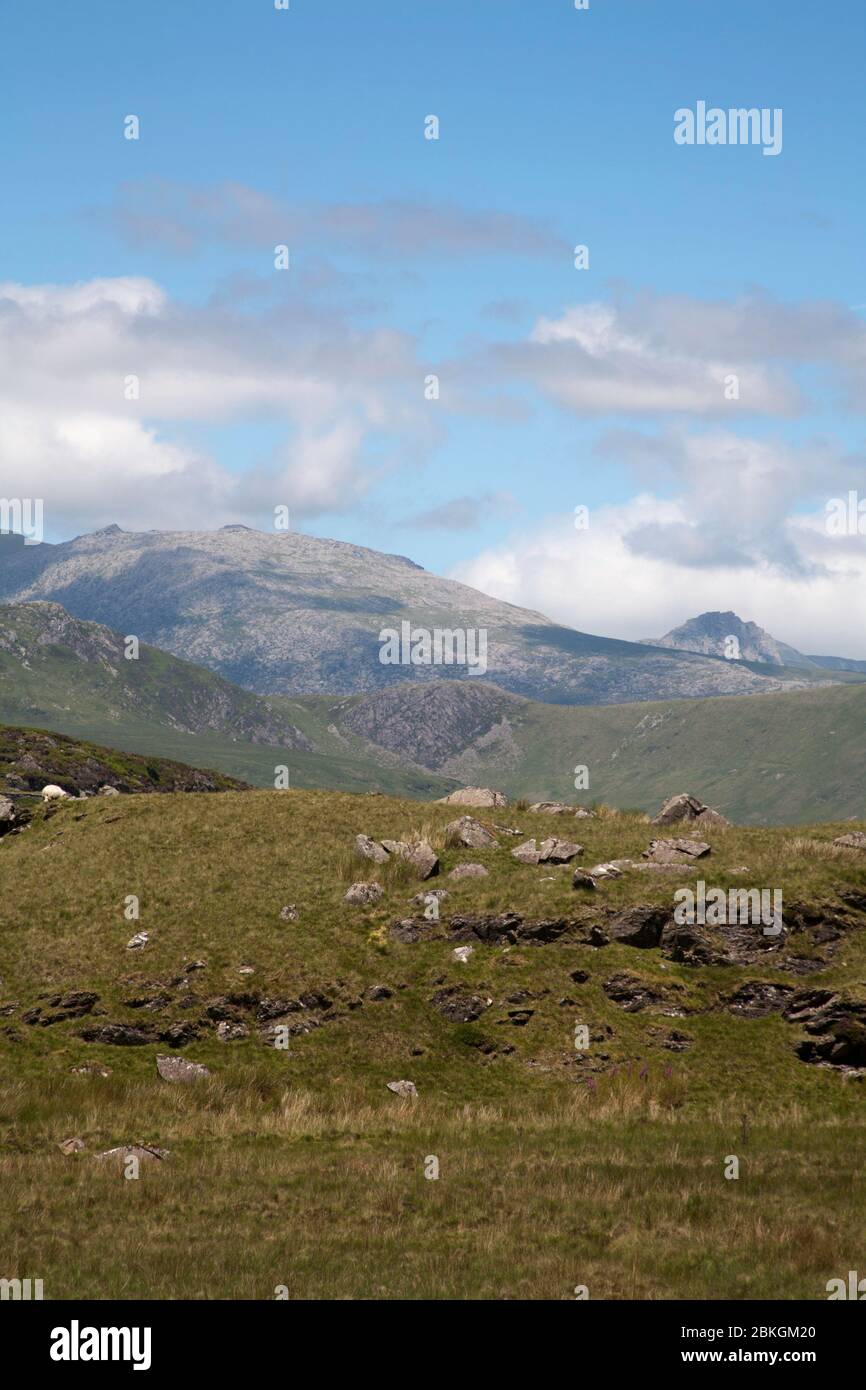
(292, 614)
(710, 634)
(52, 665)
(778, 758)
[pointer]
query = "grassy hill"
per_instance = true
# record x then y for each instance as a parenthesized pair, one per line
(557, 1166)
(779, 758)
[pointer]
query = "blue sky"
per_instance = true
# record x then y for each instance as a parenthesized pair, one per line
(411, 256)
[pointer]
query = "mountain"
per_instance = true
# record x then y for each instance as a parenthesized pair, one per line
(64, 674)
(777, 758)
(287, 613)
(711, 634)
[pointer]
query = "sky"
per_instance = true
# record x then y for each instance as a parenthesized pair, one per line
(429, 368)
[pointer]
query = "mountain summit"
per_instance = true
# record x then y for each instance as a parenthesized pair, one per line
(711, 634)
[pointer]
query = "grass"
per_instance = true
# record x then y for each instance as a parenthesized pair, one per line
(299, 1168)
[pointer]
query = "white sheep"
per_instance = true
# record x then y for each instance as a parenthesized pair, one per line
(52, 793)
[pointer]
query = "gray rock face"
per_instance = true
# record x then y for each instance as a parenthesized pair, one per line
(364, 894)
(178, 1069)
(467, 833)
(475, 796)
(685, 808)
(676, 851)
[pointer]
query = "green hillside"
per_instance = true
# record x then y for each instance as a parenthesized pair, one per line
(525, 1166)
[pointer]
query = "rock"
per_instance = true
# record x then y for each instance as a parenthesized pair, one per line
(8, 815)
(289, 913)
(91, 1069)
(137, 942)
(469, 871)
(560, 808)
(457, 1006)
(53, 793)
(555, 851)
(231, 1032)
(71, 1146)
(507, 927)
(687, 808)
(527, 853)
(145, 1153)
(638, 926)
(581, 879)
(398, 847)
(180, 1034)
(75, 1004)
(474, 796)
(630, 993)
(363, 894)
(462, 953)
(119, 1035)
(517, 1017)
(411, 929)
(676, 851)
(837, 1027)
(422, 859)
(609, 870)
(179, 1069)
(365, 848)
(856, 840)
(379, 992)
(108, 791)
(467, 833)
(402, 1088)
(757, 999)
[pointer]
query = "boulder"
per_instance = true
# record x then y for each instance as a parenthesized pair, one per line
(422, 859)
(402, 1088)
(467, 833)
(180, 1070)
(364, 894)
(687, 808)
(582, 879)
(469, 871)
(555, 851)
(8, 815)
(856, 840)
(527, 853)
(108, 791)
(474, 796)
(365, 848)
(560, 808)
(676, 851)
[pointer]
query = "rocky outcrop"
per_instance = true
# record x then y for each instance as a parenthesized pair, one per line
(474, 796)
(467, 833)
(552, 851)
(686, 808)
(676, 851)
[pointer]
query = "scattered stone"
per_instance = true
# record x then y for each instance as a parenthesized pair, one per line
(91, 1069)
(108, 791)
(180, 1034)
(526, 853)
(402, 1088)
(631, 994)
(508, 927)
(609, 870)
(289, 913)
(677, 1042)
(469, 871)
(580, 977)
(366, 848)
(467, 833)
(455, 1005)
(757, 999)
(582, 879)
(137, 942)
(561, 808)
(76, 1004)
(145, 1153)
(422, 859)
(378, 992)
(687, 808)
(119, 1035)
(474, 796)
(676, 851)
(462, 953)
(411, 929)
(71, 1146)
(246, 970)
(8, 815)
(856, 840)
(179, 1069)
(231, 1032)
(555, 851)
(364, 894)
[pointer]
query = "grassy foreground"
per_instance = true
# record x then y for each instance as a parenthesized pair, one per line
(300, 1169)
